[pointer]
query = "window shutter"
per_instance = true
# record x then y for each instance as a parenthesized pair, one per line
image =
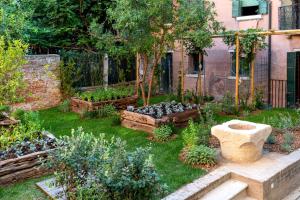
(249, 3)
(291, 78)
(236, 8)
(263, 7)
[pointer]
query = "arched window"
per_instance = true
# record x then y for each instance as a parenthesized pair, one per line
(249, 7)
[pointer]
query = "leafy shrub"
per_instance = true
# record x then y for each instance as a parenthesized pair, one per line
(228, 104)
(201, 154)
(89, 167)
(64, 106)
(190, 135)
(281, 121)
(107, 94)
(116, 119)
(195, 134)
(5, 108)
(271, 139)
(105, 111)
(258, 101)
(18, 114)
(12, 59)
(288, 140)
(68, 76)
(27, 129)
(163, 133)
(210, 110)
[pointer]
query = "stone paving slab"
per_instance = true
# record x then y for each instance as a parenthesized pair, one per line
(52, 191)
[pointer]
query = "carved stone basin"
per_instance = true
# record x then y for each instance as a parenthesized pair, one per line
(241, 141)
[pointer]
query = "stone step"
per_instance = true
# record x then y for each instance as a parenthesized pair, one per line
(248, 198)
(229, 190)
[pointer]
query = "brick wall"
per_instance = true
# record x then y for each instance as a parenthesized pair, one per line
(41, 75)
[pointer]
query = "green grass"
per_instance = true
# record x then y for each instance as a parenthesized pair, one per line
(172, 171)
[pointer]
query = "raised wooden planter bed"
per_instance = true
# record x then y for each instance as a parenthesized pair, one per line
(147, 123)
(8, 122)
(79, 106)
(24, 167)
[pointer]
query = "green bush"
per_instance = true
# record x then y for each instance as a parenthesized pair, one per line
(198, 155)
(281, 121)
(105, 111)
(116, 119)
(163, 133)
(195, 134)
(228, 104)
(5, 108)
(28, 128)
(258, 101)
(64, 106)
(89, 167)
(271, 139)
(12, 59)
(107, 94)
(190, 135)
(288, 140)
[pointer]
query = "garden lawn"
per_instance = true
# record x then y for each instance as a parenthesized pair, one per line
(165, 155)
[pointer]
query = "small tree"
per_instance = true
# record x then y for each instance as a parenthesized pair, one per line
(250, 43)
(11, 76)
(146, 26)
(195, 26)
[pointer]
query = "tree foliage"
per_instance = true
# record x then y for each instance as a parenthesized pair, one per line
(66, 24)
(14, 21)
(196, 24)
(11, 75)
(250, 42)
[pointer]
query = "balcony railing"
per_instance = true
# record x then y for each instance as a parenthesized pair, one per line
(289, 17)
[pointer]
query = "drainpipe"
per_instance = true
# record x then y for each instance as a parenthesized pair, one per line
(269, 54)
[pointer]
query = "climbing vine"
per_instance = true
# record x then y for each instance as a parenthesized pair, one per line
(250, 42)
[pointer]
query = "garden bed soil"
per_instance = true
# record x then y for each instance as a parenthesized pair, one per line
(171, 138)
(279, 138)
(146, 123)
(23, 167)
(80, 106)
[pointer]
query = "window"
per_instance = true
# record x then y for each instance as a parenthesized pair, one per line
(244, 66)
(249, 7)
(195, 60)
(249, 10)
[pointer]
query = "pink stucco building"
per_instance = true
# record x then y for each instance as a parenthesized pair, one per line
(277, 67)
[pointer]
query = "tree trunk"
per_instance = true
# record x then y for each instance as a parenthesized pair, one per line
(151, 77)
(199, 80)
(142, 83)
(182, 73)
(137, 73)
(252, 75)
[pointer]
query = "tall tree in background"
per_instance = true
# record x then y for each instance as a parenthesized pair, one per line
(66, 24)
(14, 19)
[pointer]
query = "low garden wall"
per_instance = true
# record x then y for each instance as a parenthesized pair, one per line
(41, 75)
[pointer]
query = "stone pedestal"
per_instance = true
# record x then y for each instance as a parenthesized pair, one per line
(241, 141)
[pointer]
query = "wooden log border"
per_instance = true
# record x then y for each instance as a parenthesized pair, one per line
(140, 122)
(24, 167)
(80, 106)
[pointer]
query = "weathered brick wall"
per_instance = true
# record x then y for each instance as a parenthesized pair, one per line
(41, 75)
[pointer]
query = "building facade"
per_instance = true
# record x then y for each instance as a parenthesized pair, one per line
(277, 70)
